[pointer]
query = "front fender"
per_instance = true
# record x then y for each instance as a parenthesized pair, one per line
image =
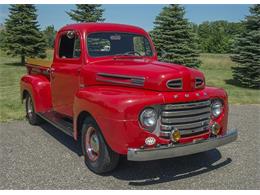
(38, 87)
(113, 108)
(117, 109)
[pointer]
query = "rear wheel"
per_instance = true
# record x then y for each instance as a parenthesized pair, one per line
(30, 113)
(99, 157)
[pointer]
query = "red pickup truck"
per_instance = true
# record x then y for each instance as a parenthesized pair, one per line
(107, 89)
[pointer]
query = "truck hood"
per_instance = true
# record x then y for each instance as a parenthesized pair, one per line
(144, 73)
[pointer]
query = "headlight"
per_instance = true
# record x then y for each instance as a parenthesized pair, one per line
(216, 108)
(148, 118)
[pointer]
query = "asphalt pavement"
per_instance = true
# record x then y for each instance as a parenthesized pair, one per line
(42, 157)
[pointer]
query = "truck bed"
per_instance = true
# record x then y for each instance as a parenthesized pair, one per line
(39, 62)
(38, 66)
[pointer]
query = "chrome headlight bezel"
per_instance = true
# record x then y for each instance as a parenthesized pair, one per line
(217, 107)
(148, 118)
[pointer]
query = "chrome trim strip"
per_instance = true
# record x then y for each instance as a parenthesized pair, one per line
(185, 132)
(127, 80)
(190, 125)
(185, 112)
(119, 82)
(186, 119)
(186, 105)
(162, 152)
(119, 76)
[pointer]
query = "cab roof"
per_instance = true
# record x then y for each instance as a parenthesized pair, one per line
(101, 27)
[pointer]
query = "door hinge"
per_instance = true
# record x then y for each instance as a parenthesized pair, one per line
(81, 85)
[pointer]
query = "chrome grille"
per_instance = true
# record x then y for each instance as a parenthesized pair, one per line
(174, 84)
(190, 118)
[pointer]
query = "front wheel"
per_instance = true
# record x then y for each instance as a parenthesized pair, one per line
(99, 157)
(30, 113)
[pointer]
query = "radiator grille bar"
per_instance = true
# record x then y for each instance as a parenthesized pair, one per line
(190, 118)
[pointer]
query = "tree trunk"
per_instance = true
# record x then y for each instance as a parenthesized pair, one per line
(22, 59)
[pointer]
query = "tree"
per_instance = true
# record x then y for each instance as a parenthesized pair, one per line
(174, 37)
(87, 13)
(49, 34)
(218, 36)
(2, 31)
(247, 51)
(21, 35)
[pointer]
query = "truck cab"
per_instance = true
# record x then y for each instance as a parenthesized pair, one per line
(106, 88)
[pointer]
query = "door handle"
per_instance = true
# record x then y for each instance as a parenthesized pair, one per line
(51, 71)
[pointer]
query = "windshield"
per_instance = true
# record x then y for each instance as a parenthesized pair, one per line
(114, 43)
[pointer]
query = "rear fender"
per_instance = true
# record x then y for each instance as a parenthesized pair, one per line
(39, 88)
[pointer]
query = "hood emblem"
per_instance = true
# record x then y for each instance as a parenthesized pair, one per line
(186, 95)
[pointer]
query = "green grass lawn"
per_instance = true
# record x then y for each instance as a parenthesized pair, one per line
(217, 68)
(10, 100)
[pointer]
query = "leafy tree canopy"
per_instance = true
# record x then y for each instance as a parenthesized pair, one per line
(217, 36)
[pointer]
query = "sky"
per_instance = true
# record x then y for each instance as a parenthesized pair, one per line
(138, 15)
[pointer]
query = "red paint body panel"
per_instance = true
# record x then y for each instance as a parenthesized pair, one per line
(116, 110)
(74, 86)
(156, 73)
(39, 88)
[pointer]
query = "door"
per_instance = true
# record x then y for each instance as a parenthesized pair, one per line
(65, 72)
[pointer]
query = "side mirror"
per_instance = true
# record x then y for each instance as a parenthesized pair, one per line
(70, 34)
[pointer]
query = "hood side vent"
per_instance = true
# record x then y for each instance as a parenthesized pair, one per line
(199, 82)
(174, 84)
(120, 79)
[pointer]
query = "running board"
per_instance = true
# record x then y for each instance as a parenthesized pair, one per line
(58, 121)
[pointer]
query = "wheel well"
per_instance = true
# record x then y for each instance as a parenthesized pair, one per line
(25, 93)
(82, 116)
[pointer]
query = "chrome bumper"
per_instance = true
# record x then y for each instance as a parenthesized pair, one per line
(181, 149)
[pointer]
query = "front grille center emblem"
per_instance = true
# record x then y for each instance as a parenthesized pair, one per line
(187, 95)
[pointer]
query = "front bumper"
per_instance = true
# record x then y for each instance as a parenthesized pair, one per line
(162, 152)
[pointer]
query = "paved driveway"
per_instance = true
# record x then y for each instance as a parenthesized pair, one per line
(34, 157)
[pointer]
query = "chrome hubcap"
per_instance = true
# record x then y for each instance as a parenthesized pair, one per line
(92, 144)
(30, 107)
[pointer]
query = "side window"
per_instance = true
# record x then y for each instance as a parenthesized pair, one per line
(69, 45)
(142, 46)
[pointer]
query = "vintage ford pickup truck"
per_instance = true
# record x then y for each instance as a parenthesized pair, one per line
(107, 89)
